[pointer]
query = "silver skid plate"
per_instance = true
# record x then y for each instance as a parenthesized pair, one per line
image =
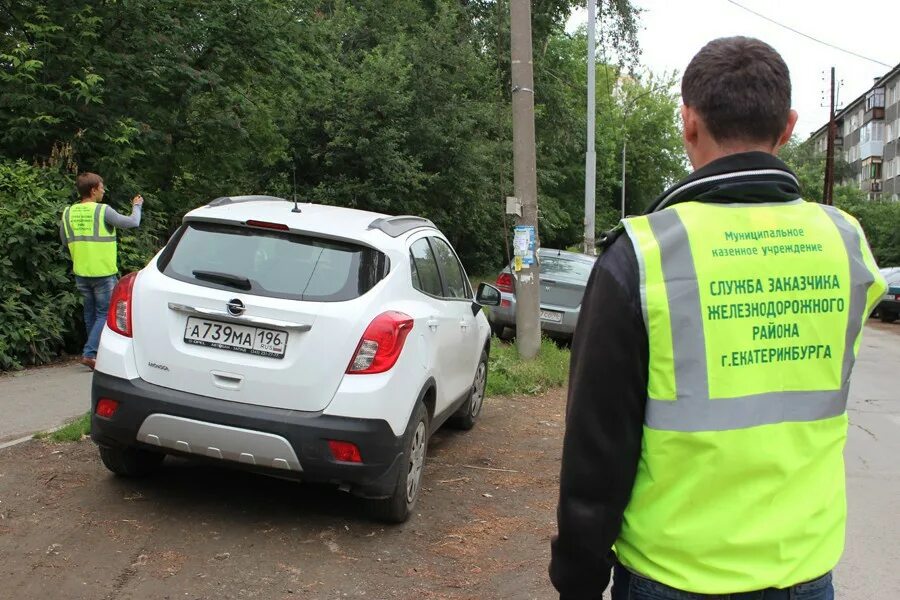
(219, 441)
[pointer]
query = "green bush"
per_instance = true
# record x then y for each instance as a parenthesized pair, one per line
(881, 222)
(40, 306)
(40, 309)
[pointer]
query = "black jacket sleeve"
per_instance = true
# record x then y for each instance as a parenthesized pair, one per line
(604, 425)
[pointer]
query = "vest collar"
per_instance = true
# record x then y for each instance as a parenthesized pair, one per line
(747, 177)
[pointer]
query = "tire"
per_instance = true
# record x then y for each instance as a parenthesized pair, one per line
(498, 330)
(130, 462)
(400, 505)
(467, 414)
(887, 316)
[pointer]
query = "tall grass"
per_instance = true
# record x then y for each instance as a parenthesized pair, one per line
(508, 374)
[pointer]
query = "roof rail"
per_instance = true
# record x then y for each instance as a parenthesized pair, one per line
(397, 226)
(226, 200)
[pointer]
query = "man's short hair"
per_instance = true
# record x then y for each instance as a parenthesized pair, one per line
(741, 87)
(86, 182)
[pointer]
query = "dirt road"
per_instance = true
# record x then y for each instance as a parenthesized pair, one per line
(71, 530)
(68, 529)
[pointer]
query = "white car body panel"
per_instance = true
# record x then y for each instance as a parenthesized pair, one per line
(312, 375)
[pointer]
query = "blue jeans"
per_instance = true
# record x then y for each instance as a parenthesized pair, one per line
(628, 586)
(96, 292)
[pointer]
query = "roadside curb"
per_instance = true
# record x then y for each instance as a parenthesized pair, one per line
(28, 437)
(16, 442)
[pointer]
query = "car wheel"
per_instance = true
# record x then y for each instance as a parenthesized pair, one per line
(887, 316)
(130, 462)
(498, 330)
(400, 505)
(468, 413)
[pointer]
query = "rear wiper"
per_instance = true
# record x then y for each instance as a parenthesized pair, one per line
(235, 281)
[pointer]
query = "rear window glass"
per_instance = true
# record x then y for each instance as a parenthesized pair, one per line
(272, 263)
(555, 265)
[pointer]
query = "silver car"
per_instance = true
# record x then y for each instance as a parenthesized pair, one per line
(563, 278)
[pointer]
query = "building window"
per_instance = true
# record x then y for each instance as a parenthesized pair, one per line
(873, 131)
(875, 99)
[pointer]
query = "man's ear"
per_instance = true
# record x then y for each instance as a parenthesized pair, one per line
(690, 131)
(788, 130)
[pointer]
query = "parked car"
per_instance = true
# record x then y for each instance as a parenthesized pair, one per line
(889, 307)
(324, 344)
(563, 277)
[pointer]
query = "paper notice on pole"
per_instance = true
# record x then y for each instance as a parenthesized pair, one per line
(520, 242)
(517, 263)
(523, 244)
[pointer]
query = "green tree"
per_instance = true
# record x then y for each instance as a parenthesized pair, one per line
(880, 219)
(399, 107)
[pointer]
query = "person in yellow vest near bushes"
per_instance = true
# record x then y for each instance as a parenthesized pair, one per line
(711, 365)
(88, 228)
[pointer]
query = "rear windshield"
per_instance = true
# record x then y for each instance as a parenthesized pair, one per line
(272, 263)
(557, 265)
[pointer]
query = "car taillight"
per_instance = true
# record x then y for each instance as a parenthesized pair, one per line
(380, 346)
(345, 451)
(106, 408)
(505, 283)
(268, 225)
(119, 316)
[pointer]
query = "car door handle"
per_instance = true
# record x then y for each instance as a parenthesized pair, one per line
(433, 323)
(464, 324)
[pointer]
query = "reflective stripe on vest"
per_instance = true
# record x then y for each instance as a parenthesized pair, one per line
(694, 409)
(92, 244)
(754, 314)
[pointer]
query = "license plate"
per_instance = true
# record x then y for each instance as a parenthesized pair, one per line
(259, 341)
(552, 316)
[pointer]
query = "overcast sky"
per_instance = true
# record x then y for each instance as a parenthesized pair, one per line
(673, 31)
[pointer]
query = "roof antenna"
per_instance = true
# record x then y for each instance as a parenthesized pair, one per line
(296, 208)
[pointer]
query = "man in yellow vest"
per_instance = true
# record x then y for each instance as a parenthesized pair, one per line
(88, 228)
(706, 416)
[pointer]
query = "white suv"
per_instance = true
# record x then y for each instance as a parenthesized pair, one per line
(306, 341)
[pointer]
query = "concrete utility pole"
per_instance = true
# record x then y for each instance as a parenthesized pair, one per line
(590, 157)
(828, 191)
(528, 330)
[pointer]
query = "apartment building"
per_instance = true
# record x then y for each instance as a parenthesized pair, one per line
(868, 138)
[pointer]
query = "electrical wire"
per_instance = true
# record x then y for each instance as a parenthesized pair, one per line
(807, 36)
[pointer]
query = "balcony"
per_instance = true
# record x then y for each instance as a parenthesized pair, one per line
(872, 186)
(874, 114)
(870, 149)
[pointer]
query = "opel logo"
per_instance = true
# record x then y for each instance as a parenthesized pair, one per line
(235, 307)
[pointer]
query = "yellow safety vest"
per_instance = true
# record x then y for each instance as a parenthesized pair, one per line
(754, 315)
(91, 243)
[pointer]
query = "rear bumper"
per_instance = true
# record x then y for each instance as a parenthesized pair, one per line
(890, 305)
(307, 434)
(506, 316)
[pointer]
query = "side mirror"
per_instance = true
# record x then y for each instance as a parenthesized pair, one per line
(487, 295)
